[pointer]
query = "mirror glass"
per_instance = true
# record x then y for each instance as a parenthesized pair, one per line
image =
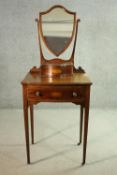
(57, 28)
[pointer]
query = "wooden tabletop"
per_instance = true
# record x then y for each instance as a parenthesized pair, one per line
(75, 79)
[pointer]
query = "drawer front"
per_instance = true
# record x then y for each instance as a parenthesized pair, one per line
(56, 93)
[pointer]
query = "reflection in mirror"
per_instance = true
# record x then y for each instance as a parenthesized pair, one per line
(48, 55)
(57, 28)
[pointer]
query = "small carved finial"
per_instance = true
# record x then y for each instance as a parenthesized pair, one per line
(36, 20)
(35, 70)
(79, 20)
(79, 70)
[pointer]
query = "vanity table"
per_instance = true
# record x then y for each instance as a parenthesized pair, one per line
(57, 79)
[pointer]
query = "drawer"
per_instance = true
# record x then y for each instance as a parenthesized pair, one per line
(55, 93)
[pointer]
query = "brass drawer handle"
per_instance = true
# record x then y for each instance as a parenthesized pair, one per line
(74, 94)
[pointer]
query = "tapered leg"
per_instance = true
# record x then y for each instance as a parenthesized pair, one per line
(81, 123)
(86, 117)
(26, 126)
(32, 122)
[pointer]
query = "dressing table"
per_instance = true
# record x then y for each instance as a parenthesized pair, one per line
(57, 79)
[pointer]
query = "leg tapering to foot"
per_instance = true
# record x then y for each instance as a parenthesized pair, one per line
(81, 124)
(26, 126)
(27, 135)
(86, 118)
(32, 122)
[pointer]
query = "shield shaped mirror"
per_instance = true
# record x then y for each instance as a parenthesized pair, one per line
(57, 28)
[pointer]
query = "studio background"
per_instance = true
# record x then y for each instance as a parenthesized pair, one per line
(96, 47)
(56, 130)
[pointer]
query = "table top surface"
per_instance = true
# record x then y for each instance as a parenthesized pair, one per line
(75, 79)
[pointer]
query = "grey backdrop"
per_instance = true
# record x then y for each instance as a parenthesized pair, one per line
(96, 46)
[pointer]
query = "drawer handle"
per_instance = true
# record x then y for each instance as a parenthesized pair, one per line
(75, 94)
(38, 94)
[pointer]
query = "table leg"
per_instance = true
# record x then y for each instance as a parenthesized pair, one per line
(32, 122)
(86, 118)
(81, 123)
(26, 126)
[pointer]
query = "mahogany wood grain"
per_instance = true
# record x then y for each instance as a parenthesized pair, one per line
(86, 118)
(81, 124)
(75, 79)
(26, 124)
(32, 122)
(74, 89)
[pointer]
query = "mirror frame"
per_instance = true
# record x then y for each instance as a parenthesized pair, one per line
(41, 31)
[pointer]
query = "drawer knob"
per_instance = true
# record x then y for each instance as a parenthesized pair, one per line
(75, 94)
(38, 94)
